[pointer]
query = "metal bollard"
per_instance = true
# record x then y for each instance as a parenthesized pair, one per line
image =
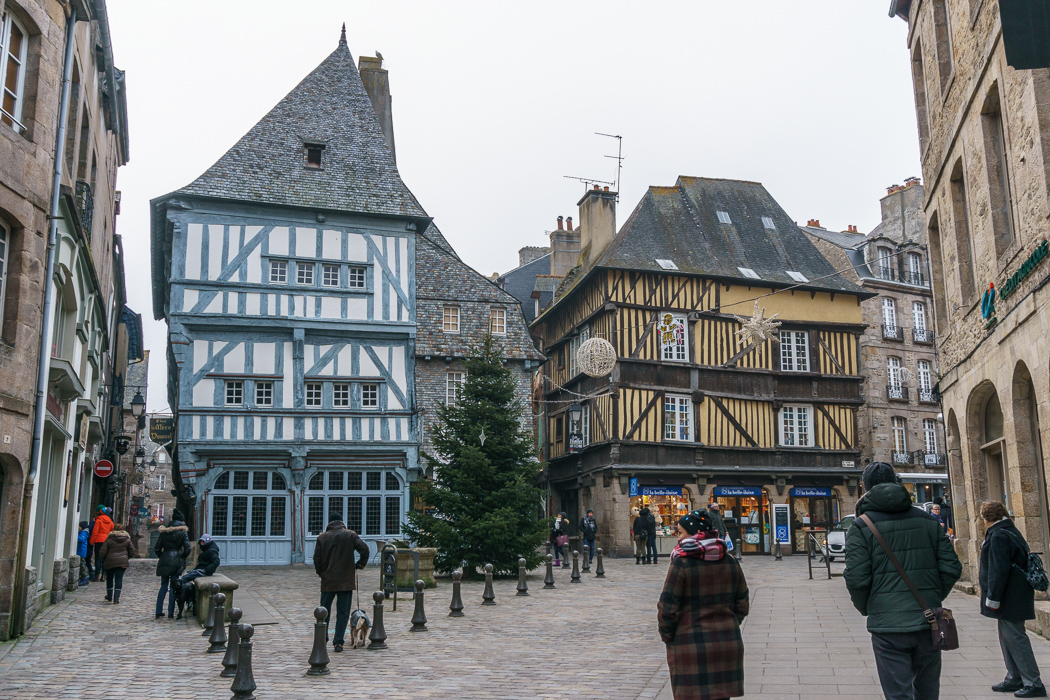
(419, 617)
(523, 585)
(575, 578)
(209, 619)
(548, 580)
(243, 686)
(738, 551)
(489, 596)
(217, 640)
(319, 654)
(586, 558)
(778, 555)
(599, 571)
(565, 559)
(457, 600)
(548, 546)
(229, 661)
(377, 637)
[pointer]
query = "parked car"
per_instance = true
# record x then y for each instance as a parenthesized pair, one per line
(837, 538)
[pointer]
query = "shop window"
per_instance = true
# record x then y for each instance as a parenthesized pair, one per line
(497, 321)
(794, 351)
(674, 338)
(234, 392)
(678, 423)
(795, 426)
(313, 394)
(14, 45)
(254, 507)
(377, 513)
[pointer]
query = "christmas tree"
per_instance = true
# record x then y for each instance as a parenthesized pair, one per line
(483, 506)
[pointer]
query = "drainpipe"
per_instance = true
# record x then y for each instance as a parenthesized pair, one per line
(20, 593)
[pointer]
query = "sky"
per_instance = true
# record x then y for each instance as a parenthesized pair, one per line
(495, 103)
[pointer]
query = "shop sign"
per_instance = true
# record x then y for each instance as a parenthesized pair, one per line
(802, 492)
(988, 307)
(634, 488)
(738, 491)
(575, 443)
(162, 429)
(782, 523)
(1015, 280)
(848, 464)
(82, 430)
(661, 491)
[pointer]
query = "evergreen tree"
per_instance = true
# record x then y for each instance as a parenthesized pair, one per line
(486, 507)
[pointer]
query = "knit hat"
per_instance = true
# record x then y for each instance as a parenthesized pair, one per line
(83, 524)
(101, 508)
(697, 521)
(879, 473)
(205, 538)
(335, 517)
(177, 515)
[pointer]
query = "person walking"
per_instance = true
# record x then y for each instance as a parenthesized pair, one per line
(559, 537)
(1007, 597)
(589, 530)
(83, 548)
(99, 532)
(704, 600)
(115, 555)
(640, 528)
(173, 546)
(935, 511)
(909, 667)
(650, 537)
(334, 563)
(715, 511)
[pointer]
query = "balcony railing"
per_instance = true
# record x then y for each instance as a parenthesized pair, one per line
(85, 204)
(922, 336)
(918, 279)
(930, 459)
(902, 458)
(892, 332)
(929, 396)
(887, 273)
(896, 392)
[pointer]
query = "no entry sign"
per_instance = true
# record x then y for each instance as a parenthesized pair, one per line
(103, 468)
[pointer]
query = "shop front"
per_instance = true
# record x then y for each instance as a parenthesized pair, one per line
(811, 508)
(925, 487)
(667, 504)
(745, 510)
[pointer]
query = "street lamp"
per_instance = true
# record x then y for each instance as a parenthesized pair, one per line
(153, 465)
(575, 413)
(140, 457)
(138, 405)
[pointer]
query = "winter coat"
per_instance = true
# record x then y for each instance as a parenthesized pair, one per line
(589, 527)
(172, 547)
(700, 610)
(117, 550)
(719, 523)
(103, 526)
(650, 522)
(641, 526)
(916, 539)
(334, 558)
(557, 530)
(1000, 580)
(82, 543)
(208, 558)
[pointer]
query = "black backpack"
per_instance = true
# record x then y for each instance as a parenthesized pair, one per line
(1033, 570)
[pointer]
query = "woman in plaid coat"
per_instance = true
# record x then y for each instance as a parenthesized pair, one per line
(703, 602)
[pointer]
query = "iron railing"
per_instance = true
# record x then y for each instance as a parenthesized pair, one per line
(897, 392)
(930, 459)
(892, 332)
(902, 457)
(929, 396)
(922, 336)
(918, 279)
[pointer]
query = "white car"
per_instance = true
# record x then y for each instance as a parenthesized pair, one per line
(837, 538)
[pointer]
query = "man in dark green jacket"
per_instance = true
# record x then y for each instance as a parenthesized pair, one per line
(909, 667)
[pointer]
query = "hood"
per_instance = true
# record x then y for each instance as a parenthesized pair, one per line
(885, 498)
(335, 525)
(174, 528)
(209, 545)
(1004, 524)
(103, 517)
(118, 535)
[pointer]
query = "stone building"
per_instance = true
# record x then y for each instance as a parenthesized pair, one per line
(984, 130)
(900, 421)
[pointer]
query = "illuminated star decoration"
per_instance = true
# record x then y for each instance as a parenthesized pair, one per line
(758, 329)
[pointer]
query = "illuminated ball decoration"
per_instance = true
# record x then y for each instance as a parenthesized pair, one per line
(758, 329)
(596, 357)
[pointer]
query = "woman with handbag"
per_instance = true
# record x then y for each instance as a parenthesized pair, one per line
(1007, 597)
(559, 536)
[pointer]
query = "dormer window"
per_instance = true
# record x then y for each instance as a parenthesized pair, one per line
(313, 155)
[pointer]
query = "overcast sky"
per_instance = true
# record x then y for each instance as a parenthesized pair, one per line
(495, 102)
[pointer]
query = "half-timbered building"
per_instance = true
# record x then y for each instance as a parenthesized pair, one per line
(690, 412)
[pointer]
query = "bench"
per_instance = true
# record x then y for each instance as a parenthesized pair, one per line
(202, 600)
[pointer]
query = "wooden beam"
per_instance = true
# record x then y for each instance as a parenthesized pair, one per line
(736, 358)
(645, 412)
(601, 422)
(831, 355)
(645, 334)
(732, 419)
(834, 426)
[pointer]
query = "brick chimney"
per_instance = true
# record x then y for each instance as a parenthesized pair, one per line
(377, 85)
(597, 221)
(565, 249)
(815, 223)
(568, 224)
(561, 223)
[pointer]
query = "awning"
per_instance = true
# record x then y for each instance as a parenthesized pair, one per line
(924, 478)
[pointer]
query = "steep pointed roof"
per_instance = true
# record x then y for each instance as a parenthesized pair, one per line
(329, 107)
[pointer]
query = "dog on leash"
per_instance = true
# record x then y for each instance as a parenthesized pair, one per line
(359, 626)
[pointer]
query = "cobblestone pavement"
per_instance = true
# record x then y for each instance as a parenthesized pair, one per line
(596, 639)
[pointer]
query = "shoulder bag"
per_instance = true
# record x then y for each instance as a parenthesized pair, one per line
(942, 622)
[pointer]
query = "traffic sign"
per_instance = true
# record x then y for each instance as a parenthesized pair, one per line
(103, 468)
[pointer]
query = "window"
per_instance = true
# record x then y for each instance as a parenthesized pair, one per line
(889, 315)
(345, 497)
(369, 396)
(13, 46)
(264, 393)
(674, 338)
(885, 263)
(678, 424)
(158, 511)
(916, 275)
(497, 321)
(900, 441)
(963, 244)
(5, 253)
(450, 322)
(585, 424)
(767, 222)
(574, 348)
(279, 272)
(794, 351)
(666, 264)
(795, 426)
(894, 385)
(797, 276)
(260, 512)
(942, 31)
(304, 273)
(925, 382)
(341, 395)
(330, 275)
(314, 151)
(313, 394)
(929, 434)
(559, 423)
(918, 81)
(453, 387)
(234, 392)
(998, 173)
(723, 216)
(918, 317)
(355, 278)
(749, 273)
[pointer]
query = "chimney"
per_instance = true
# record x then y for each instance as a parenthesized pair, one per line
(597, 221)
(850, 228)
(377, 85)
(815, 223)
(564, 250)
(568, 224)
(560, 226)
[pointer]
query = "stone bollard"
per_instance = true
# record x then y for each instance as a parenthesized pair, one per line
(575, 578)
(548, 580)
(209, 619)
(523, 584)
(319, 654)
(457, 599)
(377, 637)
(599, 571)
(419, 617)
(243, 686)
(229, 661)
(489, 596)
(217, 640)
(586, 558)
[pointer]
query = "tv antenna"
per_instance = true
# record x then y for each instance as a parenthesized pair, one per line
(618, 157)
(588, 181)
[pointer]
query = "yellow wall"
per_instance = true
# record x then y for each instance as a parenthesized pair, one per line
(796, 305)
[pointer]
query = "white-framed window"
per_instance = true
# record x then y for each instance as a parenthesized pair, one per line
(14, 43)
(161, 484)
(330, 275)
(279, 272)
(304, 273)
(674, 338)
(341, 395)
(915, 271)
(678, 418)
(585, 424)
(453, 387)
(900, 436)
(574, 348)
(893, 373)
(794, 351)
(355, 278)
(929, 435)
(889, 314)
(254, 505)
(767, 222)
(885, 257)
(925, 381)
(234, 392)
(5, 253)
(313, 394)
(263, 393)
(369, 396)
(723, 217)
(369, 503)
(450, 319)
(918, 317)
(796, 425)
(497, 321)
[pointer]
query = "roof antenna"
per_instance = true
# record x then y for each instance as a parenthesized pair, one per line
(618, 157)
(342, 36)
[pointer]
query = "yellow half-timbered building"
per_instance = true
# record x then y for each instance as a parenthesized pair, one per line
(692, 413)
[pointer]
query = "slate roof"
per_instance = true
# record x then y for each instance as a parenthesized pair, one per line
(521, 282)
(852, 246)
(330, 107)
